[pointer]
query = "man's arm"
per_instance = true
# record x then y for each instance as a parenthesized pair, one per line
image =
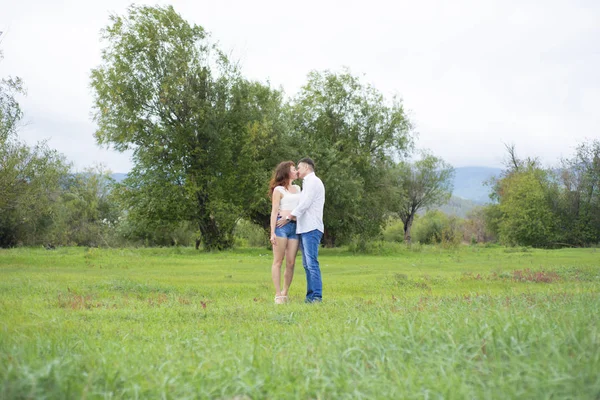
(306, 199)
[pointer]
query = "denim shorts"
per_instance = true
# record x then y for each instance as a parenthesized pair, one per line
(287, 231)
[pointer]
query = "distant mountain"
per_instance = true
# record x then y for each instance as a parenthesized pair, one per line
(469, 183)
(118, 177)
(456, 206)
(470, 190)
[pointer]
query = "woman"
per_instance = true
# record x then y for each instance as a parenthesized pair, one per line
(284, 198)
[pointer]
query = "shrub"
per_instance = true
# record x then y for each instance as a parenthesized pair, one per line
(435, 227)
(378, 247)
(248, 234)
(394, 231)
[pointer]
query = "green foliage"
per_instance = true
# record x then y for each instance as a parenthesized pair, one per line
(351, 131)
(10, 110)
(142, 232)
(86, 214)
(492, 216)
(435, 227)
(527, 218)
(577, 203)
(30, 184)
(394, 231)
(375, 247)
(249, 234)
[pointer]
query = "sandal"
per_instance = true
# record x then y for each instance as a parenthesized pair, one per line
(280, 299)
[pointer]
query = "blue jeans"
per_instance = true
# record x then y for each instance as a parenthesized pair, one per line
(309, 245)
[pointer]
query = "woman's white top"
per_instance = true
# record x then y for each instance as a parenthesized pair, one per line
(289, 200)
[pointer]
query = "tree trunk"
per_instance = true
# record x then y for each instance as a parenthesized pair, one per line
(407, 227)
(328, 239)
(212, 236)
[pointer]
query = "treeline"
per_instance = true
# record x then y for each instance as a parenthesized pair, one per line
(531, 205)
(205, 140)
(548, 207)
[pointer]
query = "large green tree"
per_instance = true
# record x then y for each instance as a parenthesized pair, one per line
(353, 133)
(200, 133)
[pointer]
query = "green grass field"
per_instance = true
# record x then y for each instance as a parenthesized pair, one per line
(425, 323)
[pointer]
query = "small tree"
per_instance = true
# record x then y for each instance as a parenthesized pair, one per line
(527, 217)
(422, 184)
(86, 213)
(10, 110)
(30, 176)
(529, 198)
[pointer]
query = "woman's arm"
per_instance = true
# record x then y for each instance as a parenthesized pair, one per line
(275, 199)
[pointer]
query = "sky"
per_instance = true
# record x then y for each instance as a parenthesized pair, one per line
(473, 75)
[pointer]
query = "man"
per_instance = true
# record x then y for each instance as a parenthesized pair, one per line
(309, 225)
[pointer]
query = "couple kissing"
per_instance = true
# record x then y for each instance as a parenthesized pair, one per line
(296, 224)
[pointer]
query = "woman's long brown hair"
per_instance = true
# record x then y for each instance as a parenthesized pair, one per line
(280, 176)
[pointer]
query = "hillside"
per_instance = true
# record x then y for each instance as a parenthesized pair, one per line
(458, 206)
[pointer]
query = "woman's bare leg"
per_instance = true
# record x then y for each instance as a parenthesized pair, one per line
(278, 254)
(290, 262)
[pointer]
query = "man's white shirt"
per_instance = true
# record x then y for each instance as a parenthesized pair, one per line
(309, 212)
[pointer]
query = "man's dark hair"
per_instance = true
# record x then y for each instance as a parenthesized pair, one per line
(309, 161)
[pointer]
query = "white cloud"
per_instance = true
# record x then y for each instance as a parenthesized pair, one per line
(473, 74)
